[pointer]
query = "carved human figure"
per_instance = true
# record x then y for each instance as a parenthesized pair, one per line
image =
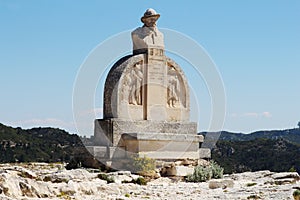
(173, 88)
(136, 81)
(148, 35)
(126, 88)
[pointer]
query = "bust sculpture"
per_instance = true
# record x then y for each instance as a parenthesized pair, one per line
(148, 35)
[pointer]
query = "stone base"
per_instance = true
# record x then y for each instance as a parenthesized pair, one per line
(118, 140)
(162, 145)
(158, 146)
(108, 132)
(108, 153)
(204, 153)
(120, 159)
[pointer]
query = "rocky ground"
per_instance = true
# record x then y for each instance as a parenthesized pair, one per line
(53, 181)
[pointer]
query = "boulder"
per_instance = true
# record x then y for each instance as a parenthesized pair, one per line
(220, 183)
(285, 175)
(184, 170)
(169, 169)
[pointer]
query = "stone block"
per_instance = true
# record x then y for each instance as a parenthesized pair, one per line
(109, 132)
(163, 145)
(184, 170)
(170, 155)
(220, 183)
(98, 151)
(204, 153)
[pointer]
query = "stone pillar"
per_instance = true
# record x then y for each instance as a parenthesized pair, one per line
(156, 95)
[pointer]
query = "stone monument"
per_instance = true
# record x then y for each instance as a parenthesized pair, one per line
(146, 103)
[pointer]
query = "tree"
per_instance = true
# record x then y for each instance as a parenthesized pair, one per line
(299, 124)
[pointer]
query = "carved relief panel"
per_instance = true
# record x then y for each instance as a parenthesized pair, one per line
(176, 93)
(131, 95)
(132, 86)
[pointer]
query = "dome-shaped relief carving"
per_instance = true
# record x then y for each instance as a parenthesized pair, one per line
(129, 98)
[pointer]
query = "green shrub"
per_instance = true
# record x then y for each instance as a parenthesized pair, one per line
(253, 197)
(105, 177)
(204, 173)
(127, 195)
(143, 164)
(292, 169)
(217, 170)
(140, 181)
(200, 174)
(296, 194)
(64, 195)
(251, 184)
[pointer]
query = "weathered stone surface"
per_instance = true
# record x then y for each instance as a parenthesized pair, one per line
(169, 169)
(166, 155)
(163, 145)
(118, 127)
(88, 186)
(117, 88)
(223, 183)
(122, 176)
(285, 175)
(184, 170)
(138, 85)
(162, 137)
(204, 153)
(285, 181)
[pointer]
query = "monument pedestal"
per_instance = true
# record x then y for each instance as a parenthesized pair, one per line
(108, 132)
(118, 138)
(163, 145)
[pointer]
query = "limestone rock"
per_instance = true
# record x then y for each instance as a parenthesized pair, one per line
(285, 175)
(121, 176)
(284, 181)
(84, 184)
(184, 170)
(168, 169)
(150, 175)
(28, 190)
(223, 183)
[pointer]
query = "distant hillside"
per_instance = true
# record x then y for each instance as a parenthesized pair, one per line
(291, 135)
(39, 145)
(276, 150)
(259, 154)
(272, 150)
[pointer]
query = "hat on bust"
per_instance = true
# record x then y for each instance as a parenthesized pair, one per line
(150, 13)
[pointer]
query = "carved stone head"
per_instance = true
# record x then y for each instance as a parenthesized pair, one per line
(150, 17)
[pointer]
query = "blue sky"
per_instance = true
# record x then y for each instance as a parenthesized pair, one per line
(254, 44)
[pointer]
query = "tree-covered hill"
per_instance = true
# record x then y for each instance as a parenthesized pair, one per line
(37, 145)
(276, 150)
(272, 150)
(258, 154)
(291, 135)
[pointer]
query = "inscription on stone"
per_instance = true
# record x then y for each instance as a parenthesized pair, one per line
(156, 73)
